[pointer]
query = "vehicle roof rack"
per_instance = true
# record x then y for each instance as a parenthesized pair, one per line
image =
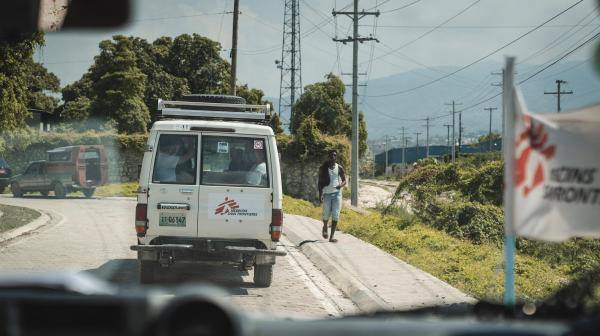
(220, 111)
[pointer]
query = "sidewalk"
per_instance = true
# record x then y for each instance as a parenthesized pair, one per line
(370, 277)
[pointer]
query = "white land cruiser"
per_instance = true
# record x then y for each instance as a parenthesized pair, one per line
(210, 188)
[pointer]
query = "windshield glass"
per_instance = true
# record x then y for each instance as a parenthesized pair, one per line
(377, 155)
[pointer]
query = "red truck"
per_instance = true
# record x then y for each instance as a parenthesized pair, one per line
(68, 169)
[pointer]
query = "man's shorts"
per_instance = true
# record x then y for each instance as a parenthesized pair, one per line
(332, 205)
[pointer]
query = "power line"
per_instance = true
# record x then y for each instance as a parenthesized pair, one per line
(557, 40)
(390, 116)
(567, 48)
(562, 57)
(479, 59)
(401, 7)
(430, 31)
(180, 16)
(480, 27)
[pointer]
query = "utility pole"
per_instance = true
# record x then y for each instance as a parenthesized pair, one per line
(355, 39)
(427, 138)
(490, 131)
(403, 150)
(236, 11)
(417, 134)
(453, 104)
(558, 93)
(460, 132)
(385, 173)
(448, 141)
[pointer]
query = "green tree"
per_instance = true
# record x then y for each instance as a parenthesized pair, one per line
(39, 82)
(325, 103)
(488, 137)
(119, 86)
(275, 124)
(77, 110)
(196, 58)
(19, 86)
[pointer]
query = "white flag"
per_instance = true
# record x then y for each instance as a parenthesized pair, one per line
(556, 189)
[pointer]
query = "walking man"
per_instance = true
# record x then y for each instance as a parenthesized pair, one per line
(332, 179)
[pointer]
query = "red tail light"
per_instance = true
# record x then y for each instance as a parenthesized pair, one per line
(276, 224)
(141, 219)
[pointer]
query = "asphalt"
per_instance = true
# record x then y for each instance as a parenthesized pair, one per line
(371, 278)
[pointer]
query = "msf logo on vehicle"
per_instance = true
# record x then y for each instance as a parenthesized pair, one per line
(227, 206)
(531, 144)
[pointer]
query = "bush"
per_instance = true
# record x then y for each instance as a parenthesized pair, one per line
(472, 221)
(485, 184)
(310, 144)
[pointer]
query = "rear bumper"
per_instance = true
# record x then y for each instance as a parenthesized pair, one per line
(168, 250)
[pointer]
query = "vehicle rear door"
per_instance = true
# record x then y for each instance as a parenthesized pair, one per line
(235, 187)
(173, 187)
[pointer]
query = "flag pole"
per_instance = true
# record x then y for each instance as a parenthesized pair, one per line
(508, 105)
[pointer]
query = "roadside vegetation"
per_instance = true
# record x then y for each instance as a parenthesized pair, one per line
(13, 217)
(126, 189)
(456, 232)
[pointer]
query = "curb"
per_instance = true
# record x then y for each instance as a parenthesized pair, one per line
(361, 295)
(44, 219)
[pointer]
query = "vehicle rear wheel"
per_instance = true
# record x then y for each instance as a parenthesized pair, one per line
(88, 192)
(16, 190)
(45, 193)
(263, 275)
(59, 190)
(148, 270)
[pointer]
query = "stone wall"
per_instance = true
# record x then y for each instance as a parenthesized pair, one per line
(300, 179)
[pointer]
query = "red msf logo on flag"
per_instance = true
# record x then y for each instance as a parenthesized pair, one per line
(226, 206)
(533, 144)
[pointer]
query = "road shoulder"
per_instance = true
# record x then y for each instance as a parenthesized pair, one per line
(370, 277)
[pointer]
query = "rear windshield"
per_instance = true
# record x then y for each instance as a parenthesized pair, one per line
(234, 161)
(59, 156)
(176, 159)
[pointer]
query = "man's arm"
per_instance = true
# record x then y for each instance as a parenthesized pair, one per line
(342, 174)
(320, 184)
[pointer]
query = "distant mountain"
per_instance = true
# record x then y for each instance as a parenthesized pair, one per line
(467, 87)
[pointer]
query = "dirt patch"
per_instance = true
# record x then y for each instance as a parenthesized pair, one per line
(14, 217)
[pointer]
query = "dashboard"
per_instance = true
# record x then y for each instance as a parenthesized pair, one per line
(61, 307)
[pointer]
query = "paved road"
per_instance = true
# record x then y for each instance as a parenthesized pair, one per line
(95, 234)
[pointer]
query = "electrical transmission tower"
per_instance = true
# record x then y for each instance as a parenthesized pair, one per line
(290, 85)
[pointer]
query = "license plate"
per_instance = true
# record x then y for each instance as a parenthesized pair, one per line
(171, 219)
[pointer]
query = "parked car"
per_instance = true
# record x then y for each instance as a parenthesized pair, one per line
(68, 169)
(210, 191)
(5, 173)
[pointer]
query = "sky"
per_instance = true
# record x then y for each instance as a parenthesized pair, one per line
(422, 34)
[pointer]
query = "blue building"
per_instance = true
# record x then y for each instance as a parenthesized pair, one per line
(395, 154)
